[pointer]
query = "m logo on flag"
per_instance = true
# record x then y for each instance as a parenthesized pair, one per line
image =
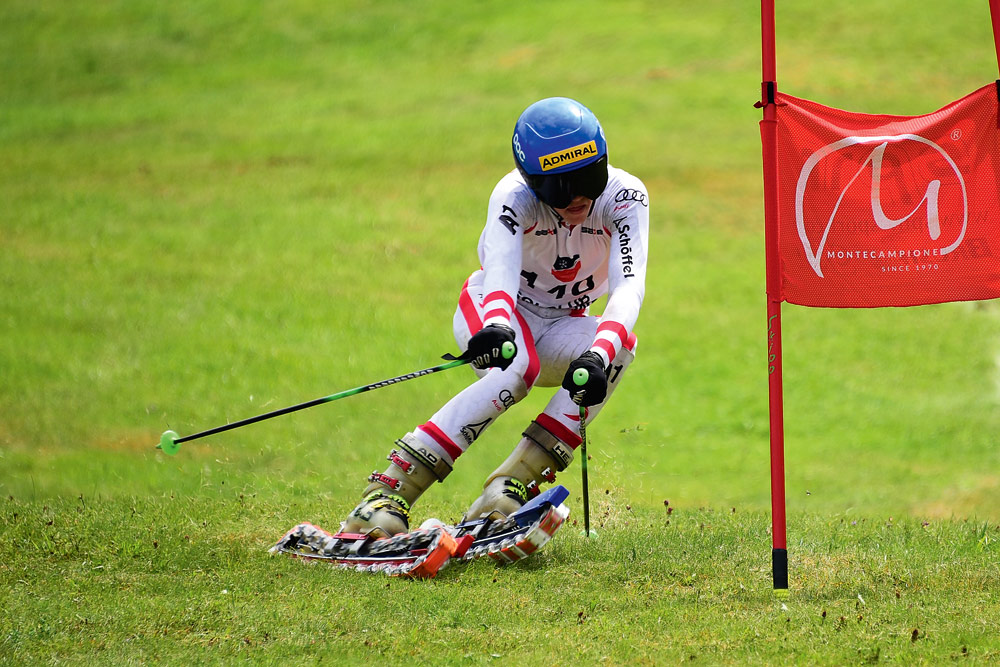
(874, 160)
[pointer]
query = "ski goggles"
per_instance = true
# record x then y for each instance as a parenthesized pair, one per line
(558, 190)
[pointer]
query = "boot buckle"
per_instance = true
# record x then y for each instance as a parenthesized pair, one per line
(401, 463)
(382, 478)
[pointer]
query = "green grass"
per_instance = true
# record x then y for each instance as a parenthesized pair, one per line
(211, 211)
(184, 579)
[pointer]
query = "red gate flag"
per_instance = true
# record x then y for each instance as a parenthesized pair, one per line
(879, 210)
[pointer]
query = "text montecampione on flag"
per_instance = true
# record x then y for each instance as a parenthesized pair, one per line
(879, 210)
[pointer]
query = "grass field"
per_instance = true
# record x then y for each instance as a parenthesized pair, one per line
(215, 210)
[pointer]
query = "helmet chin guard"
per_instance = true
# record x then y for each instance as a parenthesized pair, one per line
(560, 151)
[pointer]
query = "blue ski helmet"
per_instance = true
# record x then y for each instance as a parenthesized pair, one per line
(560, 150)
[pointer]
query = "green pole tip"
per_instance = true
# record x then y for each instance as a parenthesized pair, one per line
(580, 376)
(781, 593)
(168, 443)
(508, 350)
(593, 534)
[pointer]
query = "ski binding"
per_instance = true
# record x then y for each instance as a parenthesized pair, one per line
(422, 553)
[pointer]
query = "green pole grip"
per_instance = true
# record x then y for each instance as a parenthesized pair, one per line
(508, 350)
(580, 376)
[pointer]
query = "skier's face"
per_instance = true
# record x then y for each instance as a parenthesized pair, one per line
(576, 212)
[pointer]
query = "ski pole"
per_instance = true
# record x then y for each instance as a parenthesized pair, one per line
(580, 377)
(170, 443)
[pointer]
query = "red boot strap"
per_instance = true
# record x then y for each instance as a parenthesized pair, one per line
(400, 462)
(382, 478)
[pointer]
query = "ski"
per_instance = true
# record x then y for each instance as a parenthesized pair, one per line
(418, 554)
(523, 533)
(422, 553)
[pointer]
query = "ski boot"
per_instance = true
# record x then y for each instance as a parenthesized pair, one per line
(536, 459)
(384, 510)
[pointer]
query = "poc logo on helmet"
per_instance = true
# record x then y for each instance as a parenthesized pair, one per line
(517, 149)
(568, 156)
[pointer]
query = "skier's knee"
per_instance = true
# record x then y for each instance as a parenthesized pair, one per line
(510, 386)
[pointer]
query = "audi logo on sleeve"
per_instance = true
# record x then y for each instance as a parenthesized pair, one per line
(632, 195)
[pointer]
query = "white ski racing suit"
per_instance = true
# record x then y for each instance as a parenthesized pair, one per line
(539, 276)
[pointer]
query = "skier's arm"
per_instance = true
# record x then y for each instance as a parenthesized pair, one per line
(626, 272)
(500, 252)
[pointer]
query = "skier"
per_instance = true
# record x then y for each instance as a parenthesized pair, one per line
(563, 228)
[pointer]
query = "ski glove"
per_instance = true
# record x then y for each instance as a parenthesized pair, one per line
(595, 389)
(486, 347)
